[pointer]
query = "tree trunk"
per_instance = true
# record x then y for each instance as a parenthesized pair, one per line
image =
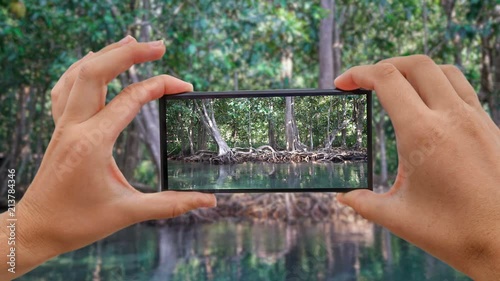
(488, 94)
(202, 135)
(379, 127)
(344, 129)
(325, 48)
(250, 143)
(148, 126)
(271, 129)
(190, 130)
(208, 119)
(311, 140)
(129, 158)
(359, 107)
(147, 119)
(337, 42)
(494, 102)
(342, 122)
(424, 23)
(291, 133)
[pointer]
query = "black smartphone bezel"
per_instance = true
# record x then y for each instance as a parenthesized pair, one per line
(262, 94)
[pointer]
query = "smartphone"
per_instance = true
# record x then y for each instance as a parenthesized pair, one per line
(291, 140)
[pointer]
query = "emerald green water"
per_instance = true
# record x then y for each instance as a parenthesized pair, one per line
(248, 251)
(262, 175)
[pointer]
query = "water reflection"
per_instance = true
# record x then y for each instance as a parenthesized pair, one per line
(246, 251)
(262, 175)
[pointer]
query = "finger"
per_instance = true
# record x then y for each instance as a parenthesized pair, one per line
(462, 87)
(396, 95)
(371, 206)
(124, 107)
(169, 204)
(63, 86)
(88, 94)
(58, 95)
(427, 79)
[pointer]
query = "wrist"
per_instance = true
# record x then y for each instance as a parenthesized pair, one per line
(24, 245)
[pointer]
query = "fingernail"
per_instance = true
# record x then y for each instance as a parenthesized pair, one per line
(156, 44)
(126, 39)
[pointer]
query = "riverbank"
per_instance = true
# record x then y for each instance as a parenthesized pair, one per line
(268, 154)
(258, 207)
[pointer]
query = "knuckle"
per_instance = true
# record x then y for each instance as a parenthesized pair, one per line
(177, 210)
(136, 92)
(386, 69)
(86, 72)
(421, 61)
(422, 58)
(67, 81)
(54, 93)
(451, 69)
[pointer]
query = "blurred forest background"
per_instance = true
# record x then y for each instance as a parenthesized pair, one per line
(226, 45)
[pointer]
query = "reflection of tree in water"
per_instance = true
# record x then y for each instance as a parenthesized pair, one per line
(245, 251)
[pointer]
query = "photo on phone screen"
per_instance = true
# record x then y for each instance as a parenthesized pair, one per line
(266, 141)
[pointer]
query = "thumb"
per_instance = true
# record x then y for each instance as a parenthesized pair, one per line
(372, 206)
(169, 204)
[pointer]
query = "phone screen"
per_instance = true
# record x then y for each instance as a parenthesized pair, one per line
(264, 141)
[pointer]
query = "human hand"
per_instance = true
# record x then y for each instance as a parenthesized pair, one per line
(79, 195)
(446, 197)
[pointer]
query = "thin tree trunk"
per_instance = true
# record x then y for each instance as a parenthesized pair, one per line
(271, 126)
(337, 42)
(487, 92)
(494, 101)
(379, 127)
(131, 152)
(208, 119)
(291, 134)
(360, 112)
(424, 22)
(190, 130)
(344, 129)
(202, 135)
(325, 47)
(148, 125)
(250, 143)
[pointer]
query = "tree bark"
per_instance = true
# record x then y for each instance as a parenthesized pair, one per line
(487, 91)
(208, 119)
(271, 132)
(494, 100)
(148, 126)
(337, 41)
(379, 127)
(344, 129)
(359, 109)
(291, 132)
(325, 48)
